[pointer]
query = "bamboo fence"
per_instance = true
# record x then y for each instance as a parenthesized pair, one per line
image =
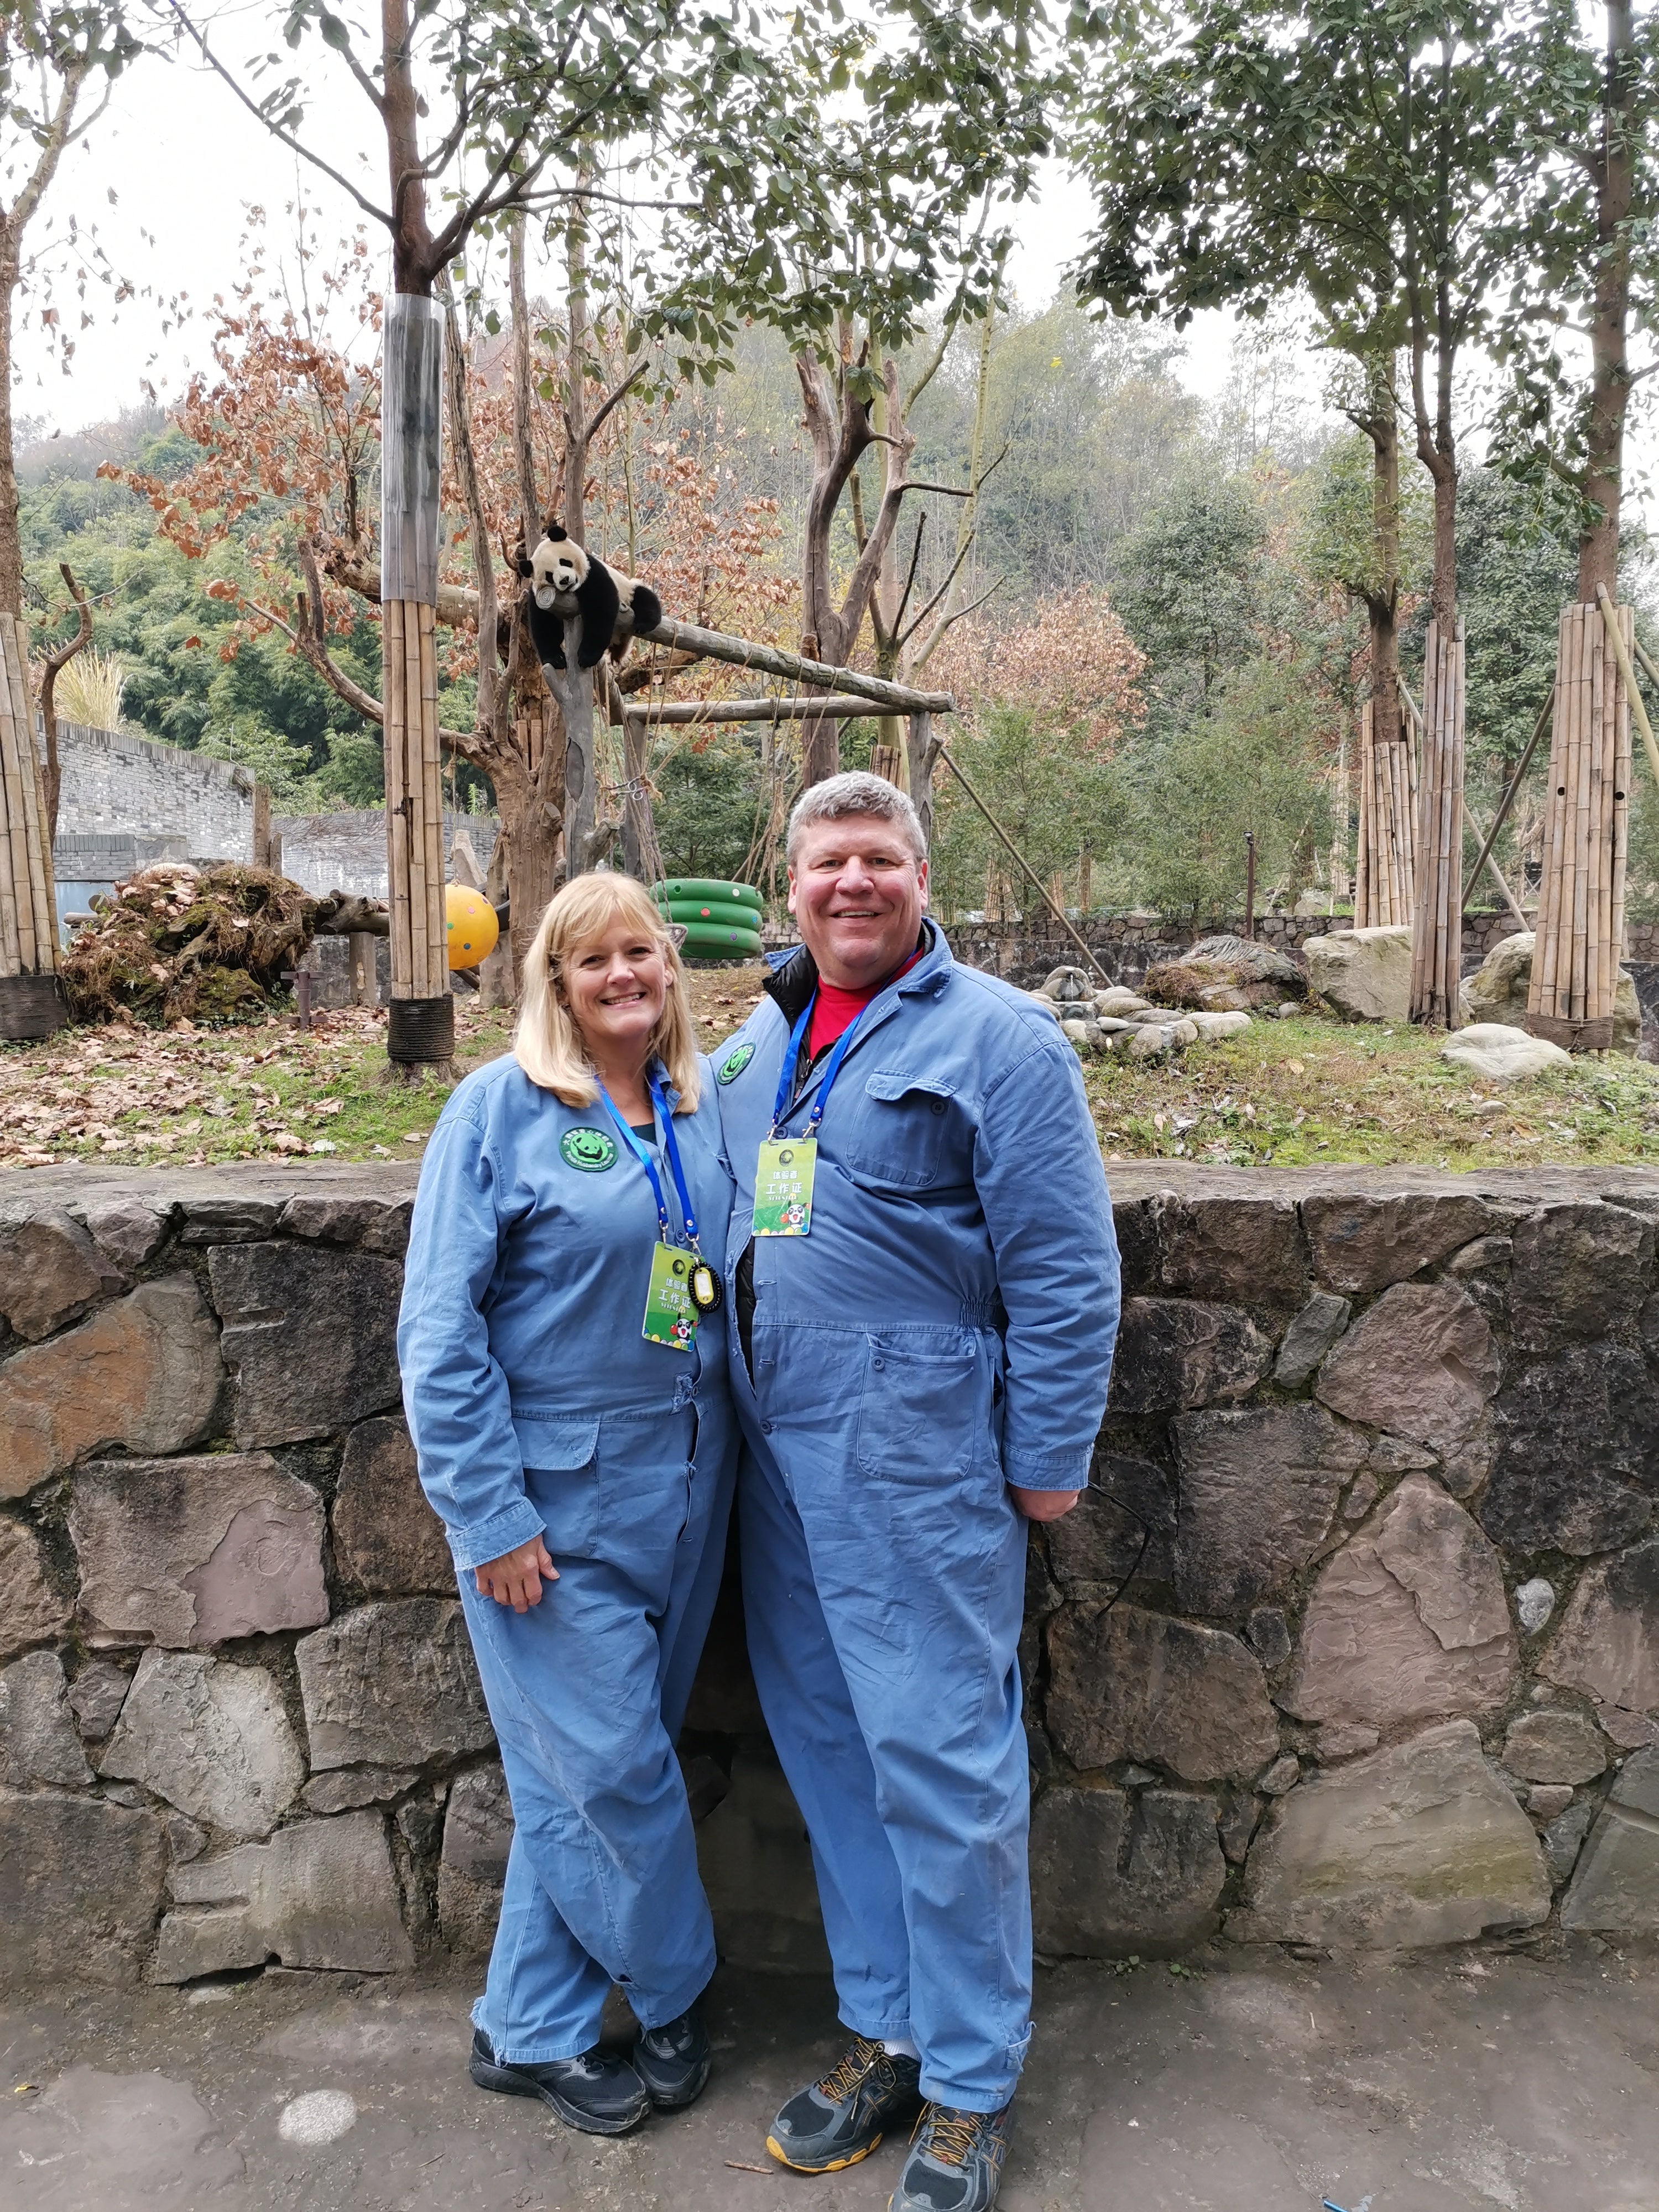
(31, 999)
(1438, 922)
(1384, 875)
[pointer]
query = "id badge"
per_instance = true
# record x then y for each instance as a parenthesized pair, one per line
(671, 1316)
(783, 1187)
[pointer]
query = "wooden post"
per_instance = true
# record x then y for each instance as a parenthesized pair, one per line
(574, 689)
(360, 952)
(1084, 868)
(641, 855)
(31, 994)
(260, 857)
(421, 1027)
(884, 762)
(1580, 939)
(1340, 823)
(1437, 920)
(1249, 883)
(921, 752)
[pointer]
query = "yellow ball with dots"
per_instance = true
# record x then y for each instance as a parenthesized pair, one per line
(473, 928)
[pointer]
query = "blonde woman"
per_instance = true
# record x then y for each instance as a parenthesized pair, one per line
(563, 1352)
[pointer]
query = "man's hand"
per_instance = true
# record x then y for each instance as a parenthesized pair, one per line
(516, 1577)
(1044, 1504)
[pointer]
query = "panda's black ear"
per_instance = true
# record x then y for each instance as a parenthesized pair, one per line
(554, 530)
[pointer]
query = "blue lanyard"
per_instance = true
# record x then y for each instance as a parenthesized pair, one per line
(672, 1146)
(786, 1079)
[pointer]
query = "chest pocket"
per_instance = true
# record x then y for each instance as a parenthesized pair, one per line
(898, 1137)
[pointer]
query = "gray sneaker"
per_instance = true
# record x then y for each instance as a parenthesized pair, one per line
(954, 2163)
(840, 2119)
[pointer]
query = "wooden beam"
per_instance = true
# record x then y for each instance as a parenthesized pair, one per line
(772, 660)
(674, 714)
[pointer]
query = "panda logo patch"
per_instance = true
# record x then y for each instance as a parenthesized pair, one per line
(588, 1149)
(734, 1063)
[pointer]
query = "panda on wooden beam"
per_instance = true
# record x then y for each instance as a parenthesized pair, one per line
(565, 580)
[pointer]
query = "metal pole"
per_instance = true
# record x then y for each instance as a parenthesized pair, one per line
(1042, 889)
(1249, 884)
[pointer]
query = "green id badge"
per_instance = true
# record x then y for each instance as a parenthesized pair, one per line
(671, 1313)
(783, 1187)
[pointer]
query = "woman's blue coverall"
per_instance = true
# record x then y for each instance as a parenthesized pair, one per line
(537, 1408)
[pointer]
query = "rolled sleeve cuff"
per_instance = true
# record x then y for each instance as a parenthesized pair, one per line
(1047, 1470)
(503, 1532)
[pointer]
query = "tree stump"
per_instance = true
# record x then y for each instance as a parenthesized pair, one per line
(31, 996)
(1438, 922)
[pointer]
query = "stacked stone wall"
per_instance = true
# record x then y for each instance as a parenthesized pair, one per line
(1353, 1641)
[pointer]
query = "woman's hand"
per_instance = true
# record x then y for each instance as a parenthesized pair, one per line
(1044, 1504)
(516, 1577)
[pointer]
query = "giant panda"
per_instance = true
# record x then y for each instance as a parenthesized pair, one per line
(564, 580)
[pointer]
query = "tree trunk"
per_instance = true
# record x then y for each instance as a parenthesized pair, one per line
(1613, 168)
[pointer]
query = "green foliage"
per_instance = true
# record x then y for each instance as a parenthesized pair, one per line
(705, 809)
(1338, 541)
(1517, 567)
(1050, 798)
(1189, 584)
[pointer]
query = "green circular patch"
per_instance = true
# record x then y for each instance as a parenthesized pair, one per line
(734, 1063)
(590, 1149)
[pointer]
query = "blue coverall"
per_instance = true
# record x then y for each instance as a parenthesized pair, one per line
(537, 1406)
(944, 1330)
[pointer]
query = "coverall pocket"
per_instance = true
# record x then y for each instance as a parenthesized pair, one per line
(898, 1137)
(921, 1407)
(561, 1478)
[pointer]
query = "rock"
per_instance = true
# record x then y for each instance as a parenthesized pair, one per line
(96, 1696)
(1420, 1362)
(757, 1870)
(1156, 1041)
(1366, 973)
(1553, 1743)
(1409, 1621)
(1360, 1499)
(1497, 992)
(1176, 1353)
(345, 1790)
(1066, 986)
(1212, 1025)
(127, 1231)
(293, 1310)
(1616, 1886)
(31, 1611)
(1254, 961)
(211, 1739)
(1344, 1741)
(1485, 1255)
(50, 1272)
(1578, 1456)
(392, 1683)
(37, 1743)
(1259, 1491)
(1392, 1455)
(1578, 1272)
(1564, 1838)
(386, 1537)
(1309, 1337)
(1548, 1799)
(1229, 999)
(1120, 1002)
(1498, 1054)
(1361, 1244)
(1128, 1502)
(1421, 1843)
(1535, 1602)
(1128, 1684)
(1608, 1644)
(1111, 1875)
(1270, 1636)
(1240, 1814)
(144, 1373)
(182, 1551)
(322, 1894)
(1243, 1251)
(186, 1840)
(229, 1221)
(374, 1224)
(1281, 1777)
(477, 1836)
(80, 1887)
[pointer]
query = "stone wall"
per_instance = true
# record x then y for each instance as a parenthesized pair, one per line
(1354, 1642)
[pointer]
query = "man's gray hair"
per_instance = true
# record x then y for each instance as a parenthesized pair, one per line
(856, 792)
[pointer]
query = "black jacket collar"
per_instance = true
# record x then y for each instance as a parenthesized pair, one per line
(791, 985)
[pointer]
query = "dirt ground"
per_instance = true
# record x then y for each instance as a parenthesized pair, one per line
(1445, 2083)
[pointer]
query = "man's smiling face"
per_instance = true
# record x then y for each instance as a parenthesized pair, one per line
(857, 891)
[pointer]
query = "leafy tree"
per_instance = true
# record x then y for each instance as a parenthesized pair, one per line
(1189, 584)
(1050, 797)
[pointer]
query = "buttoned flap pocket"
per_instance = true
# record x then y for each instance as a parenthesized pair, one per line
(922, 1407)
(561, 1477)
(898, 1136)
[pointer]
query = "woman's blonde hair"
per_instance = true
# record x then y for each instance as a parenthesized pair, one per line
(546, 1042)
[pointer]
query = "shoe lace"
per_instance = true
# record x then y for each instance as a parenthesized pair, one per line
(949, 2136)
(848, 2073)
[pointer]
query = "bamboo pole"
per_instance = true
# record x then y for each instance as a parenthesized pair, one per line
(1362, 858)
(1509, 798)
(772, 660)
(677, 712)
(1637, 705)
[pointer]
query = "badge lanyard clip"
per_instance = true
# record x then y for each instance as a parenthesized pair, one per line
(705, 1283)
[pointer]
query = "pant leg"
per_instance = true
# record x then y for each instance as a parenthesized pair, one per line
(816, 1732)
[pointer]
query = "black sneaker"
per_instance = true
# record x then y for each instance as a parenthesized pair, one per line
(840, 2119)
(673, 2062)
(954, 2163)
(598, 2093)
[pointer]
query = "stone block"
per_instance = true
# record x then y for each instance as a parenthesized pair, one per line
(1259, 1491)
(81, 1883)
(127, 1230)
(142, 1372)
(230, 1219)
(1408, 1622)
(1616, 1886)
(96, 1696)
(345, 1788)
(1420, 1362)
(1421, 1843)
(1269, 1632)
(1553, 1743)
(50, 1272)
(477, 1837)
(1244, 1251)
(1113, 1875)
(375, 1224)
(311, 1336)
(1309, 1337)
(1578, 1272)
(212, 1739)
(757, 1869)
(393, 1685)
(1173, 1353)
(1608, 1644)
(1564, 1838)
(386, 1537)
(322, 1894)
(37, 1743)
(1497, 1054)
(1577, 1464)
(1360, 1245)
(183, 1551)
(1366, 973)
(1128, 1684)
(1128, 1502)
(1535, 1602)
(31, 1611)
(1137, 1244)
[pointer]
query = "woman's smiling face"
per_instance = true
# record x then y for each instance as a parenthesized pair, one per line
(615, 986)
